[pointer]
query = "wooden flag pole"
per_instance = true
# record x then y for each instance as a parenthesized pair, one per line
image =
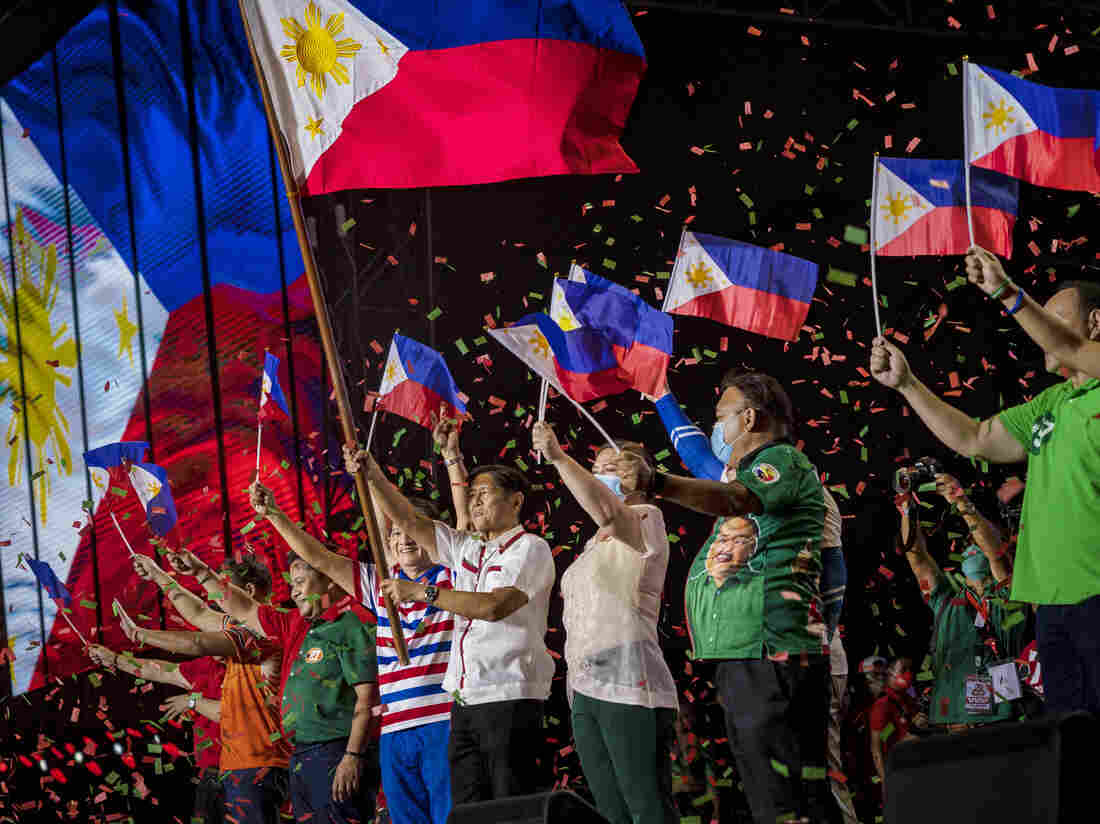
(343, 403)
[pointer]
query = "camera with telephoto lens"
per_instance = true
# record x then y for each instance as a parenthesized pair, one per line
(910, 477)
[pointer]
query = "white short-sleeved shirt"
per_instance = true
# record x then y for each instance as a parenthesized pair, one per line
(612, 598)
(503, 660)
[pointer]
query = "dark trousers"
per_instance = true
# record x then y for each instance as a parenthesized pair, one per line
(209, 799)
(626, 754)
(254, 795)
(1069, 653)
(777, 713)
(493, 748)
(312, 767)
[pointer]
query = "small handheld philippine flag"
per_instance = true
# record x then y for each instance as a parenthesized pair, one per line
(269, 388)
(116, 464)
(741, 285)
(49, 580)
(416, 383)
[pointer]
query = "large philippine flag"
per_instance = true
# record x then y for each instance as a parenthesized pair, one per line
(920, 208)
(741, 285)
(1040, 134)
(383, 94)
(417, 384)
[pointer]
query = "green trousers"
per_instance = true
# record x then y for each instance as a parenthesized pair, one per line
(625, 752)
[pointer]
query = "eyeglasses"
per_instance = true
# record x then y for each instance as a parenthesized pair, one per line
(740, 540)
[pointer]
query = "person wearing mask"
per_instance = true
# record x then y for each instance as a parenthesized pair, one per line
(201, 682)
(975, 639)
(753, 600)
(893, 715)
(416, 710)
(327, 686)
(622, 693)
(709, 459)
(500, 673)
(254, 756)
(1057, 432)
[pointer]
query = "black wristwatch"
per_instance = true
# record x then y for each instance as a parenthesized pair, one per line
(431, 592)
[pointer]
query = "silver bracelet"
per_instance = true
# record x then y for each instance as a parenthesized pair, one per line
(452, 461)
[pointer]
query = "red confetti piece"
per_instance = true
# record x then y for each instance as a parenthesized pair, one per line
(755, 32)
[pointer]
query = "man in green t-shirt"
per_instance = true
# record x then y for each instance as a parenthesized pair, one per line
(752, 599)
(975, 638)
(1058, 556)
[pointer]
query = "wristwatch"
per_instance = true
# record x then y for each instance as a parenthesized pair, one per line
(431, 592)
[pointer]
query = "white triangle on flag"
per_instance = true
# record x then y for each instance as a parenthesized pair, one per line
(576, 273)
(694, 275)
(993, 114)
(528, 344)
(560, 311)
(146, 484)
(897, 206)
(394, 372)
(319, 60)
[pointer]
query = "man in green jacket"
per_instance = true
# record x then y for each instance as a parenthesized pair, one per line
(752, 599)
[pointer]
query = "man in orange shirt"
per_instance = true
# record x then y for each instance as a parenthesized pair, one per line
(255, 754)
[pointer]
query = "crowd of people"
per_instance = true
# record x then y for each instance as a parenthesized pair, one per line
(310, 704)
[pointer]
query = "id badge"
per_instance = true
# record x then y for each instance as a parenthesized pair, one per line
(979, 694)
(1006, 681)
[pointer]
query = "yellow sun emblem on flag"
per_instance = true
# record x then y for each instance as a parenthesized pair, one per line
(540, 344)
(999, 116)
(698, 275)
(391, 373)
(896, 206)
(316, 50)
(32, 342)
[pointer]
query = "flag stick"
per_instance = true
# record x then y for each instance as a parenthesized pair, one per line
(966, 146)
(543, 392)
(259, 420)
(328, 342)
(373, 421)
(594, 422)
(122, 534)
(675, 266)
(68, 621)
(874, 251)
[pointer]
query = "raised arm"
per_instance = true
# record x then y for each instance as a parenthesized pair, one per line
(339, 568)
(191, 644)
(924, 566)
(445, 435)
(689, 441)
(234, 600)
(395, 505)
(982, 531)
(151, 669)
(1054, 335)
(603, 506)
(986, 439)
(189, 605)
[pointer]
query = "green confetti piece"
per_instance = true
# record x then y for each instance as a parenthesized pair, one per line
(480, 340)
(346, 225)
(855, 234)
(609, 242)
(608, 263)
(399, 434)
(461, 346)
(88, 604)
(781, 768)
(435, 313)
(816, 212)
(521, 464)
(1072, 210)
(316, 508)
(1012, 620)
(955, 284)
(664, 275)
(952, 70)
(852, 124)
(843, 396)
(660, 456)
(284, 464)
(887, 731)
(746, 200)
(928, 675)
(841, 277)
(636, 218)
(275, 736)
(118, 491)
(813, 773)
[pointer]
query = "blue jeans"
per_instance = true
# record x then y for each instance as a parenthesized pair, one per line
(416, 775)
(312, 767)
(1069, 652)
(254, 795)
(834, 580)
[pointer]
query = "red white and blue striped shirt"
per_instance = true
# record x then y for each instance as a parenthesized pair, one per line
(412, 695)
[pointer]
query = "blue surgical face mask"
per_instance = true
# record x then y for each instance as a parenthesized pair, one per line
(612, 482)
(722, 450)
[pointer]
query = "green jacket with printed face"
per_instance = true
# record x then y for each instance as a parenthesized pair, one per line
(773, 604)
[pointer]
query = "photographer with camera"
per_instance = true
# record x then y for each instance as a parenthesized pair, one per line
(1057, 566)
(975, 638)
